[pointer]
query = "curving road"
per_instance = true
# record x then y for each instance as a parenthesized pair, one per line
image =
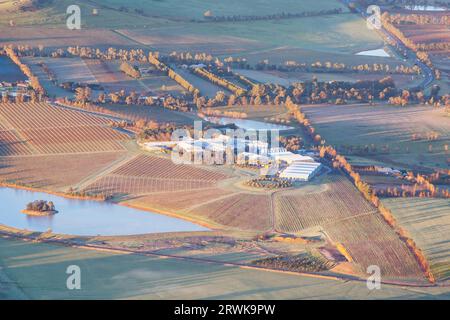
(410, 55)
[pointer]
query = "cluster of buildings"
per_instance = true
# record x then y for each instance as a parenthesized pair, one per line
(294, 166)
(13, 89)
(223, 149)
(301, 170)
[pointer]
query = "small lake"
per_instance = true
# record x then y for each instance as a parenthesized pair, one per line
(247, 124)
(374, 53)
(9, 71)
(425, 8)
(85, 217)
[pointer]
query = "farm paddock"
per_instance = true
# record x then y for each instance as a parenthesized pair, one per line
(243, 211)
(394, 136)
(428, 34)
(147, 277)
(60, 37)
(369, 240)
(428, 223)
(345, 218)
(54, 172)
(335, 200)
(152, 113)
(291, 77)
(156, 183)
(333, 205)
(65, 69)
(109, 76)
(40, 128)
(144, 174)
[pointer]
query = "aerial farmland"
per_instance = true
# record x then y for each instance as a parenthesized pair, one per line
(210, 150)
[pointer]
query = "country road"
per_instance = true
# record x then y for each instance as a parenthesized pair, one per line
(410, 55)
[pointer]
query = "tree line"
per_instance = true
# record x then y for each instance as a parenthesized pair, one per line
(34, 81)
(153, 58)
(130, 70)
(208, 16)
(238, 91)
(328, 153)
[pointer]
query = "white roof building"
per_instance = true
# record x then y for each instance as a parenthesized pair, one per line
(301, 170)
(288, 157)
(195, 66)
(269, 170)
(252, 158)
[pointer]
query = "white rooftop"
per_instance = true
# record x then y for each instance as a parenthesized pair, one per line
(301, 170)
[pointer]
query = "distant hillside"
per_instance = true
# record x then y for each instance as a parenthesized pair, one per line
(17, 6)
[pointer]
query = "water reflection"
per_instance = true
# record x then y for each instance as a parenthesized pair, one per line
(84, 217)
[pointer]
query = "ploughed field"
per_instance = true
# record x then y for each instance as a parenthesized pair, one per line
(39, 128)
(52, 147)
(333, 205)
(54, 172)
(346, 218)
(108, 74)
(297, 211)
(153, 113)
(67, 148)
(369, 240)
(428, 34)
(146, 174)
(428, 223)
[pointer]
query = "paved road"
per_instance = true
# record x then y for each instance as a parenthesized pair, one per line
(410, 55)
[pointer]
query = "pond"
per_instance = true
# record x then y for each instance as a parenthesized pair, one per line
(374, 53)
(247, 124)
(85, 217)
(424, 8)
(9, 71)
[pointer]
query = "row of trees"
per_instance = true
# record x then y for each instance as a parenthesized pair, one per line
(338, 161)
(292, 142)
(328, 66)
(190, 58)
(153, 58)
(420, 186)
(153, 131)
(34, 81)
(219, 113)
(338, 92)
(208, 15)
(130, 70)
(420, 19)
(131, 55)
(238, 91)
(421, 55)
(83, 98)
(405, 97)
(434, 46)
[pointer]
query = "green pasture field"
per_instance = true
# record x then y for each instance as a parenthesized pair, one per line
(338, 33)
(194, 9)
(38, 271)
(119, 13)
(342, 33)
(54, 15)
